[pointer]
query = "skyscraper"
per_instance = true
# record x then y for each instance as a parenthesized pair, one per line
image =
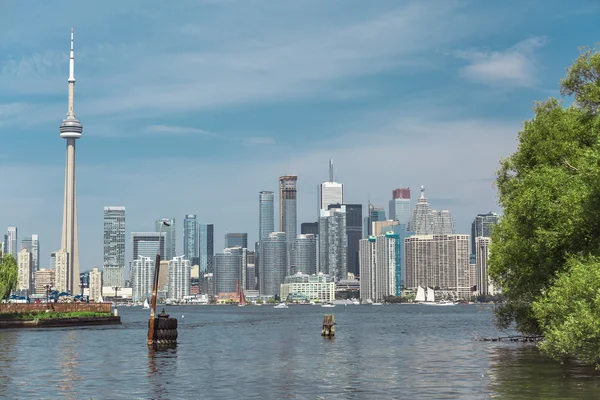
(304, 255)
(333, 250)
(379, 266)
(228, 267)
(287, 206)
(61, 276)
(422, 217)
(353, 234)
(273, 263)
(95, 284)
(484, 286)
(170, 237)
(190, 239)
(482, 226)
(32, 244)
(330, 192)
(25, 271)
(142, 277)
(114, 246)
(266, 214)
(443, 224)
(376, 214)
(71, 129)
(400, 206)
(179, 278)
(236, 239)
(206, 252)
(146, 244)
(11, 242)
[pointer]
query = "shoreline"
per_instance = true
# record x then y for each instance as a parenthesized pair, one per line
(59, 322)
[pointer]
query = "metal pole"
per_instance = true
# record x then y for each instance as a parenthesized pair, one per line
(155, 290)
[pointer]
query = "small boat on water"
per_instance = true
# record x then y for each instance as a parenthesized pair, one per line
(377, 304)
(328, 305)
(146, 305)
(281, 305)
(356, 302)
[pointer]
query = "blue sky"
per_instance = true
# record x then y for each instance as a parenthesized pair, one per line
(196, 106)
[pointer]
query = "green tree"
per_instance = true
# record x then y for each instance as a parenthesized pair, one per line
(8, 275)
(550, 192)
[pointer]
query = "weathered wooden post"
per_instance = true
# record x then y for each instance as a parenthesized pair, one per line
(328, 329)
(161, 330)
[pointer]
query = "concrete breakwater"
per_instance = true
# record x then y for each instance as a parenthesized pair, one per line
(59, 322)
(21, 308)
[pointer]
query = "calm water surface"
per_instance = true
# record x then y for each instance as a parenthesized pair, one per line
(397, 351)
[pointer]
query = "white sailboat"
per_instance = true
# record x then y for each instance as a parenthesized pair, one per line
(420, 294)
(146, 305)
(100, 299)
(430, 295)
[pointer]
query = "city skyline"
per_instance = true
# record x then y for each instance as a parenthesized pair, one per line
(353, 113)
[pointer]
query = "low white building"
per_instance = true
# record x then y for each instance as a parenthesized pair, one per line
(308, 287)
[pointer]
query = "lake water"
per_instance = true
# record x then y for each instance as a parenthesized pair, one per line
(389, 352)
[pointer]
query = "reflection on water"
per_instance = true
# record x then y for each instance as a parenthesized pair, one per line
(262, 353)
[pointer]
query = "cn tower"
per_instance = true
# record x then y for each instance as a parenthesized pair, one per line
(71, 129)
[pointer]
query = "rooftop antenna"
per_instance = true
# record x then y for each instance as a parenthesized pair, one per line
(330, 170)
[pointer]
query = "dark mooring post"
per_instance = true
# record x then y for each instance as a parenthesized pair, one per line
(152, 320)
(328, 329)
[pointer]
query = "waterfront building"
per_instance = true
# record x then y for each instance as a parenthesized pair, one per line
(114, 246)
(400, 206)
(228, 267)
(305, 287)
(179, 278)
(380, 266)
(251, 273)
(71, 130)
(266, 214)
(11, 242)
(304, 255)
(142, 278)
(484, 285)
(208, 285)
(147, 244)
(163, 275)
(32, 244)
(206, 252)
(273, 263)
(353, 234)
(25, 271)
(170, 232)
(482, 226)
(309, 228)
(333, 250)
(287, 207)
(438, 261)
(95, 285)
(62, 270)
(236, 239)
(44, 277)
(190, 239)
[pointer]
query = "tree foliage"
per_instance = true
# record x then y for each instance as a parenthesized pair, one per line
(550, 192)
(8, 275)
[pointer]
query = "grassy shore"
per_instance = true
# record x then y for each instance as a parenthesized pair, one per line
(48, 315)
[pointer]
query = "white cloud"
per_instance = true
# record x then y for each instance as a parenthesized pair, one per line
(258, 140)
(513, 67)
(176, 130)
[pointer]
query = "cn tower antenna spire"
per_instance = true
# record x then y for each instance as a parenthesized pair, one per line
(331, 170)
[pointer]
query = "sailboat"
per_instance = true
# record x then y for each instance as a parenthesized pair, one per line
(242, 302)
(420, 295)
(146, 305)
(100, 299)
(430, 295)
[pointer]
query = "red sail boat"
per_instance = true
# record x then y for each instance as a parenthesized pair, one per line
(242, 302)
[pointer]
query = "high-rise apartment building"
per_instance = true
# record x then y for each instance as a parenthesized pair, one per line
(25, 271)
(287, 207)
(304, 255)
(190, 239)
(380, 266)
(422, 216)
(273, 263)
(266, 214)
(44, 279)
(400, 206)
(228, 267)
(170, 237)
(236, 239)
(206, 252)
(443, 224)
(114, 246)
(353, 234)
(179, 278)
(438, 261)
(482, 226)
(32, 244)
(484, 285)
(147, 244)
(333, 250)
(402, 233)
(95, 291)
(311, 228)
(142, 277)
(61, 276)
(251, 273)
(11, 242)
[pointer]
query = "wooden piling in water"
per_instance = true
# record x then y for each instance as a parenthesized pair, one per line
(328, 329)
